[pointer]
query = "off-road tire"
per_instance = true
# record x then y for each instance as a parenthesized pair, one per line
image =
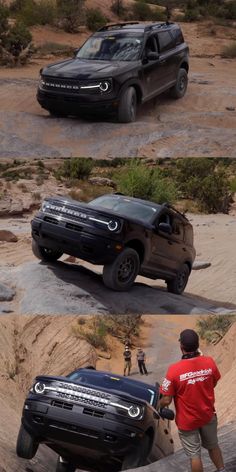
(121, 274)
(128, 106)
(26, 446)
(179, 282)
(179, 89)
(64, 466)
(138, 456)
(44, 254)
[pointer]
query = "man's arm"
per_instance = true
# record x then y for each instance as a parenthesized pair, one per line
(165, 401)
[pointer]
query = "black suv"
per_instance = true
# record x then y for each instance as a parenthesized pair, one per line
(95, 421)
(129, 236)
(117, 68)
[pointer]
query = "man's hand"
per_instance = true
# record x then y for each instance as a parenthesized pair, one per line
(165, 401)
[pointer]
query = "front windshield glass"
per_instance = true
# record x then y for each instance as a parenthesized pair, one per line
(111, 382)
(126, 207)
(112, 47)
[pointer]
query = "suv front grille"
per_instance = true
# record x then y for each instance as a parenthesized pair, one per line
(90, 412)
(72, 86)
(59, 404)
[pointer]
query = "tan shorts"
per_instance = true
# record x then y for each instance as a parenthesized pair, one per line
(206, 436)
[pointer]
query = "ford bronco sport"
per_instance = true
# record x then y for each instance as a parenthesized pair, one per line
(95, 421)
(117, 68)
(128, 236)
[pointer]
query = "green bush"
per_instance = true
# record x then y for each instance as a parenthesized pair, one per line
(4, 15)
(213, 328)
(71, 13)
(16, 39)
(141, 11)
(206, 182)
(77, 168)
(138, 180)
(32, 12)
(95, 19)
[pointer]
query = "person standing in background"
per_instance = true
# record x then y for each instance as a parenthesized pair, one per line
(141, 358)
(127, 360)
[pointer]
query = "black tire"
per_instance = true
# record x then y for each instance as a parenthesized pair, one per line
(26, 446)
(179, 282)
(121, 274)
(64, 466)
(138, 456)
(57, 113)
(128, 106)
(44, 254)
(180, 88)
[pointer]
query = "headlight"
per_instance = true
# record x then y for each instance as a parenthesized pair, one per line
(134, 411)
(113, 225)
(44, 206)
(39, 388)
(103, 86)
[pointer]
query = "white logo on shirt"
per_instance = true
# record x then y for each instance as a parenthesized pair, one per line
(165, 384)
(197, 375)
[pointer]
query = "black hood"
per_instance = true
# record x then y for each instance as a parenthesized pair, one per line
(86, 69)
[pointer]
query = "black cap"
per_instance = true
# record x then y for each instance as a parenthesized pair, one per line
(189, 340)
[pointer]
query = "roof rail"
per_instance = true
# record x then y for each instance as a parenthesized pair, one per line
(116, 25)
(167, 205)
(159, 25)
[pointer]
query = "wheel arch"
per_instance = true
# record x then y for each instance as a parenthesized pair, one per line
(138, 246)
(137, 87)
(184, 65)
(150, 434)
(189, 264)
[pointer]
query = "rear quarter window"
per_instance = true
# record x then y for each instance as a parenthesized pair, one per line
(166, 41)
(178, 36)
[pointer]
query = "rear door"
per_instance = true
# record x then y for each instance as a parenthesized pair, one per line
(166, 49)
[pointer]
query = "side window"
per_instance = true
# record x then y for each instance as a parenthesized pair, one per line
(151, 45)
(177, 229)
(166, 41)
(178, 36)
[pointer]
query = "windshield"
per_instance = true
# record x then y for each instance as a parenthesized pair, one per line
(112, 47)
(110, 382)
(125, 207)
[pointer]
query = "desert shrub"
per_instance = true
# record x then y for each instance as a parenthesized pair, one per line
(95, 19)
(140, 181)
(141, 11)
(77, 168)
(213, 328)
(71, 13)
(233, 185)
(17, 39)
(229, 51)
(4, 15)
(31, 12)
(205, 181)
(118, 8)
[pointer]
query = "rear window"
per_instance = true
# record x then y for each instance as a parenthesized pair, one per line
(166, 41)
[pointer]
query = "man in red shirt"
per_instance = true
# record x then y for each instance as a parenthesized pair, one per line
(191, 382)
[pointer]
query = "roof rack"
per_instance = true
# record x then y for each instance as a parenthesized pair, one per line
(158, 25)
(167, 205)
(118, 25)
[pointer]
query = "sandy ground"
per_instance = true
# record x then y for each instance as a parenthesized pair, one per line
(34, 345)
(199, 124)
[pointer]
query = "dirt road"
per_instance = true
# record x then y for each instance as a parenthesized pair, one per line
(203, 123)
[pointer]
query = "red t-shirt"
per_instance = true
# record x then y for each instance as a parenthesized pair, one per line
(191, 382)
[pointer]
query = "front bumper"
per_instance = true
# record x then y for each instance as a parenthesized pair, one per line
(74, 240)
(74, 104)
(74, 430)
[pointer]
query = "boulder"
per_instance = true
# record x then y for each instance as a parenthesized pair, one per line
(6, 294)
(8, 236)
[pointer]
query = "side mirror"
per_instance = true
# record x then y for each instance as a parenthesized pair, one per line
(167, 414)
(165, 228)
(152, 56)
